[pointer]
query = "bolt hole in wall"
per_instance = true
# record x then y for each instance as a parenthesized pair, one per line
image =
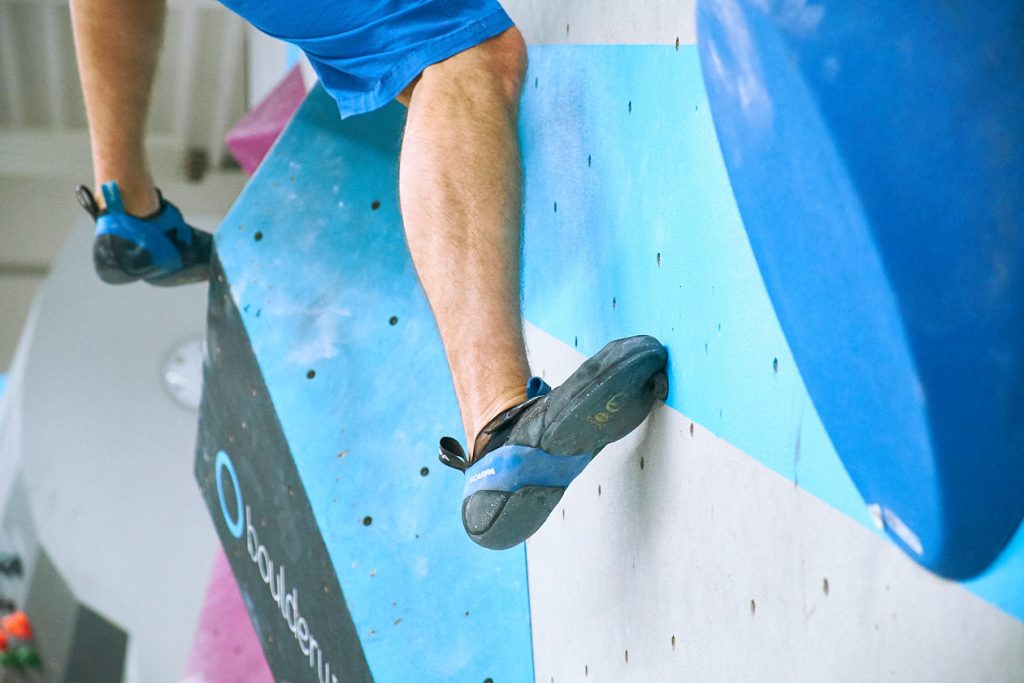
(258, 236)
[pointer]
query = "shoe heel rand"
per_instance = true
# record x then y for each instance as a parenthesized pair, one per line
(510, 468)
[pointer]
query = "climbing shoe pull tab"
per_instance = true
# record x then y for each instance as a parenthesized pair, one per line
(536, 387)
(112, 196)
(88, 201)
(452, 454)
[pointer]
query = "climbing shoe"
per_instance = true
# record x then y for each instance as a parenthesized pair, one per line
(525, 458)
(161, 249)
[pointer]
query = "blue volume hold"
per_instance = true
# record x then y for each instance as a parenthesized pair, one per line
(877, 155)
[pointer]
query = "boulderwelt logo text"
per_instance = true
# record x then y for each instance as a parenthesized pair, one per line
(287, 602)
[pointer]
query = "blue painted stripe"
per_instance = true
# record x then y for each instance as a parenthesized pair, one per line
(632, 227)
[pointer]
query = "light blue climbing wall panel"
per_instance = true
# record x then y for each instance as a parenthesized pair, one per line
(316, 270)
(632, 227)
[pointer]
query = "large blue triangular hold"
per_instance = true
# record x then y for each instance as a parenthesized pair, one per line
(877, 155)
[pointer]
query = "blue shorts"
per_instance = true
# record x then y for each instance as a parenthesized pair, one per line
(366, 52)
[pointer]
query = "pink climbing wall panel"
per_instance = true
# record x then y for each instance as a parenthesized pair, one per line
(225, 649)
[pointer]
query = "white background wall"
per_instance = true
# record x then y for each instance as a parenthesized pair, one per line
(107, 455)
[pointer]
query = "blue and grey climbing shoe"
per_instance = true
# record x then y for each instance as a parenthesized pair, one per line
(161, 249)
(527, 456)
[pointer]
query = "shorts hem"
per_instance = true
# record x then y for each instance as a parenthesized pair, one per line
(412, 65)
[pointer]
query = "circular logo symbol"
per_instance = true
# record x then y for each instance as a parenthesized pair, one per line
(235, 522)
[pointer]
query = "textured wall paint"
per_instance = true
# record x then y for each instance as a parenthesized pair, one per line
(703, 565)
(319, 272)
(604, 21)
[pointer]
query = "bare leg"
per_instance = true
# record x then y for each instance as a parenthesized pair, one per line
(117, 43)
(461, 192)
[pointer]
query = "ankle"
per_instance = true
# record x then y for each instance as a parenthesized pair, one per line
(488, 411)
(139, 198)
